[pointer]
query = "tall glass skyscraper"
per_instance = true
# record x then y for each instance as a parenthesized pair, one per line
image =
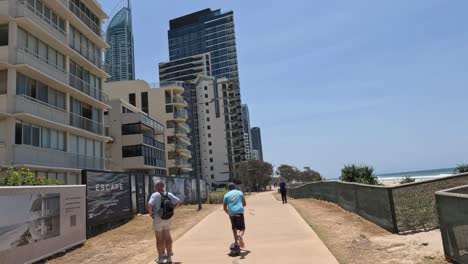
(206, 31)
(120, 57)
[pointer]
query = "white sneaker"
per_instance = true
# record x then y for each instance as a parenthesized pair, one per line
(169, 260)
(160, 259)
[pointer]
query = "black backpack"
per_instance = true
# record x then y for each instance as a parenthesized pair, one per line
(167, 208)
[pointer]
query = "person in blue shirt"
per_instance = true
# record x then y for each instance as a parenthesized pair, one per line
(282, 186)
(234, 203)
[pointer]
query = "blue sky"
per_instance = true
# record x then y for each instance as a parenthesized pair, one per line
(332, 82)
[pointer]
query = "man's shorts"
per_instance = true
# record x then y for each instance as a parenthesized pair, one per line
(237, 221)
(159, 224)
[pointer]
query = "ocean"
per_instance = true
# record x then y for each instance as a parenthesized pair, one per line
(421, 175)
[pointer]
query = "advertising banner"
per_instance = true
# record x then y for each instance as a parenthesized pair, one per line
(184, 188)
(37, 222)
(108, 197)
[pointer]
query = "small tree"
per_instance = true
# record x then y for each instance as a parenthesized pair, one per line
(287, 172)
(309, 175)
(461, 168)
(359, 174)
(255, 174)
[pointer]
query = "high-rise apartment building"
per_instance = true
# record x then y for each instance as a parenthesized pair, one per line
(220, 129)
(51, 74)
(257, 142)
(206, 31)
(120, 57)
(246, 129)
(166, 105)
(203, 44)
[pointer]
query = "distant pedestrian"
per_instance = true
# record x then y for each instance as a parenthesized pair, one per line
(161, 207)
(234, 203)
(283, 191)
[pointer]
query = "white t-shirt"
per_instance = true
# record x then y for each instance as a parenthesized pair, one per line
(155, 200)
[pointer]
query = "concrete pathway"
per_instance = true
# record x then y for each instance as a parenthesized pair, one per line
(275, 233)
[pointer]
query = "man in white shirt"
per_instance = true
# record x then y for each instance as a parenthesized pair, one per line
(158, 208)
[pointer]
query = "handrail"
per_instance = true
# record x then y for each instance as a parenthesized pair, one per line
(26, 56)
(86, 88)
(92, 56)
(86, 124)
(84, 18)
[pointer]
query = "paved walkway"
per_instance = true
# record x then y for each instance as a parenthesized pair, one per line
(275, 233)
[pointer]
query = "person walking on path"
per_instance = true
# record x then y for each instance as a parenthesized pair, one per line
(234, 203)
(161, 207)
(283, 191)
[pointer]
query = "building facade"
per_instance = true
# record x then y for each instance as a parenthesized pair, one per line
(51, 99)
(137, 140)
(220, 130)
(120, 56)
(246, 129)
(166, 105)
(257, 142)
(185, 69)
(206, 31)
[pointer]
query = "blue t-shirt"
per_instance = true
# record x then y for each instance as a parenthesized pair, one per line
(282, 186)
(234, 200)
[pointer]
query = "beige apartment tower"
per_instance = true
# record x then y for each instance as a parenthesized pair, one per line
(166, 105)
(51, 75)
(220, 128)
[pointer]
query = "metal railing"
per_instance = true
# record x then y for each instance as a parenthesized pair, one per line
(24, 9)
(26, 56)
(89, 54)
(86, 88)
(180, 131)
(24, 154)
(84, 18)
(86, 124)
(185, 127)
(186, 139)
(167, 84)
(151, 122)
(26, 104)
(183, 162)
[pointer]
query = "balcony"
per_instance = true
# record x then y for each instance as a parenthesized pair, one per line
(84, 18)
(183, 163)
(25, 56)
(184, 127)
(180, 132)
(185, 140)
(177, 100)
(139, 156)
(86, 88)
(181, 114)
(28, 105)
(29, 155)
(133, 118)
(89, 54)
(24, 9)
(86, 124)
(152, 142)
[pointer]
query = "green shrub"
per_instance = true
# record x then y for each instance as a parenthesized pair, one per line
(24, 177)
(359, 174)
(461, 168)
(407, 179)
(217, 197)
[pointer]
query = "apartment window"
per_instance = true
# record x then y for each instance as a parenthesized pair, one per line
(209, 143)
(209, 135)
(211, 168)
(169, 109)
(132, 99)
(27, 134)
(144, 102)
(126, 110)
(206, 96)
(210, 151)
(206, 88)
(208, 127)
(207, 111)
(212, 176)
(206, 104)
(3, 82)
(4, 35)
(211, 159)
(207, 119)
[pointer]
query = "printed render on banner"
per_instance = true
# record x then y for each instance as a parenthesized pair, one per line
(184, 188)
(38, 221)
(29, 219)
(108, 197)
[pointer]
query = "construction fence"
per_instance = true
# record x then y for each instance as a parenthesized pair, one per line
(452, 206)
(398, 209)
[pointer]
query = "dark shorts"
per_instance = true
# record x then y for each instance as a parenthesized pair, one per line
(237, 222)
